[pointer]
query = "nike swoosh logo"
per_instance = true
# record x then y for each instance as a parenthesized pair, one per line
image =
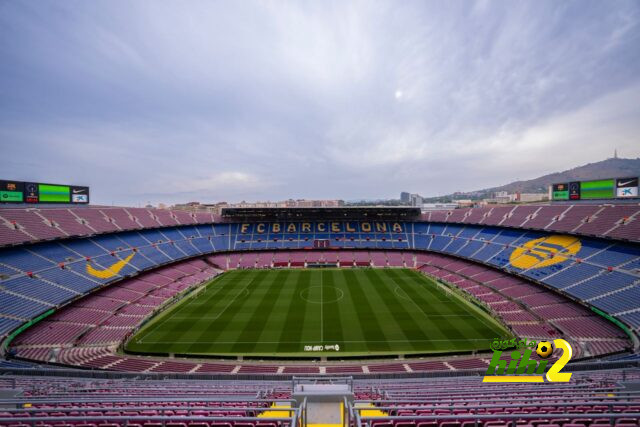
(78, 191)
(110, 271)
(622, 184)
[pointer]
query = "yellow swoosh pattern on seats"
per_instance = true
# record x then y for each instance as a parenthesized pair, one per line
(110, 271)
(545, 251)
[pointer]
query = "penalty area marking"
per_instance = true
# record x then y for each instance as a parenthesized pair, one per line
(244, 293)
(401, 293)
(460, 301)
(154, 328)
(466, 305)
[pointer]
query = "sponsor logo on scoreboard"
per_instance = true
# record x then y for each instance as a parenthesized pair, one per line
(11, 191)
(10, 196)
(574, 190)
(79, 194)
(31, 194)
(560, 191)
(627, 187)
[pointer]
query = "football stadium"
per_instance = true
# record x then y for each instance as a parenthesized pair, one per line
(200, 223)
(389, 312)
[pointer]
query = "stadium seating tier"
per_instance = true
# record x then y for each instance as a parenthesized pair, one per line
(39, 277)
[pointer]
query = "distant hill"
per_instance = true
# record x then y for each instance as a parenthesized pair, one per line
(610, 168)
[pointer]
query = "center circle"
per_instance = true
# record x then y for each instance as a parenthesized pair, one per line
(314, 297)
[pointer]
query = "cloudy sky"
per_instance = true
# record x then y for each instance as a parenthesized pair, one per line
(172, 101)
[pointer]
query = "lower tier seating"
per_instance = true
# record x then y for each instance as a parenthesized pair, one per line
(86, 333)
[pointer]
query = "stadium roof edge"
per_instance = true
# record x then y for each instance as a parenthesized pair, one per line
(347, 212)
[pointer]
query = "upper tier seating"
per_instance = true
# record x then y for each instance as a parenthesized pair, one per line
(21, 225)
(615, 221)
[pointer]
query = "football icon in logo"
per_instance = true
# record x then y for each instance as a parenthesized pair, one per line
(544, 349)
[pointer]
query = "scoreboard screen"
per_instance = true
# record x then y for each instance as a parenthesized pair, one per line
(618, 188)
(54, 193)
(33, 192)
(600, 189)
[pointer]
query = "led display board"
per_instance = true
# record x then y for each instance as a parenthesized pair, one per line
(599, 189)
(614, 188)
(34, 192)
(560, 191)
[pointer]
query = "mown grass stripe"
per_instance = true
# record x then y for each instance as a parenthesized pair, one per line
(271, 318)
(401, 310)
(261, 314)
(333, 325)
(275, 323)
(294, 320)
(346, 309)
(180, 319)
(423, 306)
(379, 297)
(371, 329)
(217, 326)
(456, 328)
(483, 322)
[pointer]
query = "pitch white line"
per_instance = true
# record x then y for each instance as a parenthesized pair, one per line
(321, 307)
(234, 299)
(211, 317)
(244, 292)
(302, 343)
(403, 294)
(458, 300)
(155, 327)
(308, 291)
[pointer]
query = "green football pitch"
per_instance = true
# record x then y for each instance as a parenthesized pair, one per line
(290, 313)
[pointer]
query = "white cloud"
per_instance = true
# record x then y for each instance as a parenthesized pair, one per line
(227, 181)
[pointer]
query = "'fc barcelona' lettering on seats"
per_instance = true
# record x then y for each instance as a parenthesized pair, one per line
(323, 227)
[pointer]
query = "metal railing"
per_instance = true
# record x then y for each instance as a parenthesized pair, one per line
(605, 410)
(512, 419)
(165, 414)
